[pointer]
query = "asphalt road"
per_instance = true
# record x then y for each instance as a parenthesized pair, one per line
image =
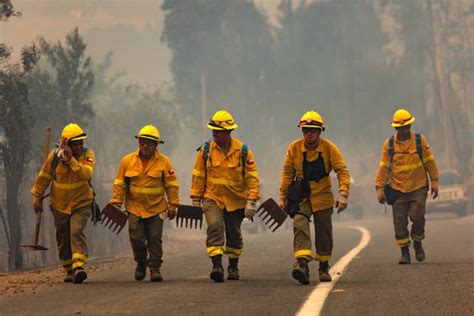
(373, 283)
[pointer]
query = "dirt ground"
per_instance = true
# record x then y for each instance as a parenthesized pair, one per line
(29, 282)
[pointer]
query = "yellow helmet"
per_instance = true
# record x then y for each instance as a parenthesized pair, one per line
(312, 119)
(222, 121)
(150, 132)
(73, 132)
(402, 117)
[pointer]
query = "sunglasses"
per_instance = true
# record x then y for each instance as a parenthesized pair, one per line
(310, 130)
(147, 142)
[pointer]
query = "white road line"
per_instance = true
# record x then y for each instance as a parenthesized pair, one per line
(315, 302)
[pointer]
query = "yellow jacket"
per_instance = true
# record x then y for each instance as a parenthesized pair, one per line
(70, 189)
(321, 194)
(145, 194)
(225, 183)
(408, 173)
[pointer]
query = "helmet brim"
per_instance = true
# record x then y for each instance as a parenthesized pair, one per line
(218, 128)
(150, 137)
(322, 128)
(396, 124)
(80, 137)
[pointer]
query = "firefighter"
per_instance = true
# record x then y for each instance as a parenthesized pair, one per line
(308, 163)
(406, 158)
(143, 177)
(225, 183)
(69, 167)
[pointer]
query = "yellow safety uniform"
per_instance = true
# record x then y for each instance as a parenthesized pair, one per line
(70, 189)
(408, 172)
(71, 201)
(147, 186)
(322, 197)
(224, 182)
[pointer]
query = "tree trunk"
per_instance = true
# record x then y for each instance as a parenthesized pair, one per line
(15, 259)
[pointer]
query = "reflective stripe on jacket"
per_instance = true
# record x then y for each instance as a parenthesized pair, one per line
(70, 189)
(408, 173)
(321, 193)
(145, 196)
(225, 182)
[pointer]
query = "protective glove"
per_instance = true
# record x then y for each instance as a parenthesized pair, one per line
(171, 212)
(65, 153)
(197, 202)
(434, 192)
(341, 202)
(117, 205)
(281, 204)
(250, 209)
(38, 205)
(381, 196)
(163, 215)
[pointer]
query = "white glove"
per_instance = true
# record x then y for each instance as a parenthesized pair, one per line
(250, 209)
(163, 215)
(341, 202)
(197, 202)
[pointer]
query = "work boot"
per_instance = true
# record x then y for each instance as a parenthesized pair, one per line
(324, 275)
(405, 258)
(140, 270)
(419, 252)
(232, 269)
(79, 275)
(69, 277)
(301, 271)
(155, 275)
(217, 273)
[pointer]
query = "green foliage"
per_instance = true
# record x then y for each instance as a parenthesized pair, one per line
(72, 80)
(16, 120)
(16, 130)
(231, 48)
(330, 58)
(7, 10)
(325, 55)
(60, 89)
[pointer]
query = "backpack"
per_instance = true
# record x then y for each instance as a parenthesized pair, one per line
(391, 194)
(391, 147)
(205, 156)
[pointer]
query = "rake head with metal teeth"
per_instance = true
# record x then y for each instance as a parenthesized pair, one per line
(188, 214)
(271, 214)
(116, 219)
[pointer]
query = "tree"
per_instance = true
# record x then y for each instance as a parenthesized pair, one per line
(16, 126)
(330, 58)
(435, 72)
(231, 49)
(71, 81)
(7, 10)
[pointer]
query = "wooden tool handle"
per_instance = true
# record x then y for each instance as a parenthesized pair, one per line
(37, 229)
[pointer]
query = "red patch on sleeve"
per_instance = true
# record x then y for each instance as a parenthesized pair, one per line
(171, 172)
(250, 162)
